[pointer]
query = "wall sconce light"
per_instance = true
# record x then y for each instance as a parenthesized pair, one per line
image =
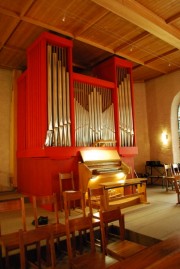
(164, 138)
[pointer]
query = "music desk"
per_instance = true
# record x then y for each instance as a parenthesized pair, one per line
(163, 255)
(138, 189)
(155, 172)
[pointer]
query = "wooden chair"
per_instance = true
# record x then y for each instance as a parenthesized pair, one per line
(169, 177)
(49, 202)
(90, 259)
(32, 237)
(66, 183)
(176, 174)
(175, 170)
(75, 197)
(96, 202)
(10, 240)
(121, 248)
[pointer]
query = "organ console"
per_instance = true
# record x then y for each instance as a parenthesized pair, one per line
(106, 169)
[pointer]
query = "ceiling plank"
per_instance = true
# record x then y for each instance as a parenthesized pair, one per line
(16, 16)
(46, 26)
(144, 18)
(173, 18)
(132, 41)
(90, 23)
(161, 55)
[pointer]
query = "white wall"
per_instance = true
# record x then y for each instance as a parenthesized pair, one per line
(154, 112)
(142, 136)
(160, 94)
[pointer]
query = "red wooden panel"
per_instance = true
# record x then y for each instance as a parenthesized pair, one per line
(39, 176)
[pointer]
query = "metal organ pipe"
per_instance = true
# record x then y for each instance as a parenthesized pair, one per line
(95, 105)
(125, 108)
(58, 133)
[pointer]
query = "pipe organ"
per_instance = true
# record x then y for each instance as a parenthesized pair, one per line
(65, 112)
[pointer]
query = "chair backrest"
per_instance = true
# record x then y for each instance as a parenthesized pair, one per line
(107, 217)
(47, 202)
(31, 237)
(78, 224)
(73, 196)
(176, 174)
(96, 199)
(168, 170)
(68, 177)
(175, 169)
(66, 182)
(14, 205)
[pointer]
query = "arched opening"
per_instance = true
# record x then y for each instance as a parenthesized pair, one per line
(174, 129)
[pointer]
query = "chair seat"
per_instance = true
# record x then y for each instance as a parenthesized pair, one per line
(10, 241)
(123, 249)
(58, 229)
(34, 236)
(93, 260)
(96, 219)
(95, 222)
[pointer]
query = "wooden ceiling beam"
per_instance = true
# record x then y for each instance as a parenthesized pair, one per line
(161, 55)
(46, 26)
(129, 57)
(144, 18)
(132, 41)
(27, 6)
(160, 70)
(12, 14)
(173, 18)
(12, 48)
(9, 13)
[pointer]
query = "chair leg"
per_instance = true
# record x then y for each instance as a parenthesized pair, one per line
(7, 259)
(1, 263)
(178, 197)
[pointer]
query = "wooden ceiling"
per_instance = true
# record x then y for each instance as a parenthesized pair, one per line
(146, 32)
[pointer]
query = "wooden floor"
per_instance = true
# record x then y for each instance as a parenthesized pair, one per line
(159, 219)
(145, 223)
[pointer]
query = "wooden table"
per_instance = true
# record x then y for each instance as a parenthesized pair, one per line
(163, 255)
(139, 184)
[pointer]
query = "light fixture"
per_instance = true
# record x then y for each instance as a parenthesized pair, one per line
(131, 48)
(64, 18)
(164, 138)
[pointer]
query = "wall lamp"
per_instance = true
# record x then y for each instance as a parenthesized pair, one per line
(164, 138)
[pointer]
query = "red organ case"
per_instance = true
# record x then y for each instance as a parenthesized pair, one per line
(60, 113)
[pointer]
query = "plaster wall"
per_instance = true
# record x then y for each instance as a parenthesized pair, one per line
(142, 135)
(5, 118)
(155, 111)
